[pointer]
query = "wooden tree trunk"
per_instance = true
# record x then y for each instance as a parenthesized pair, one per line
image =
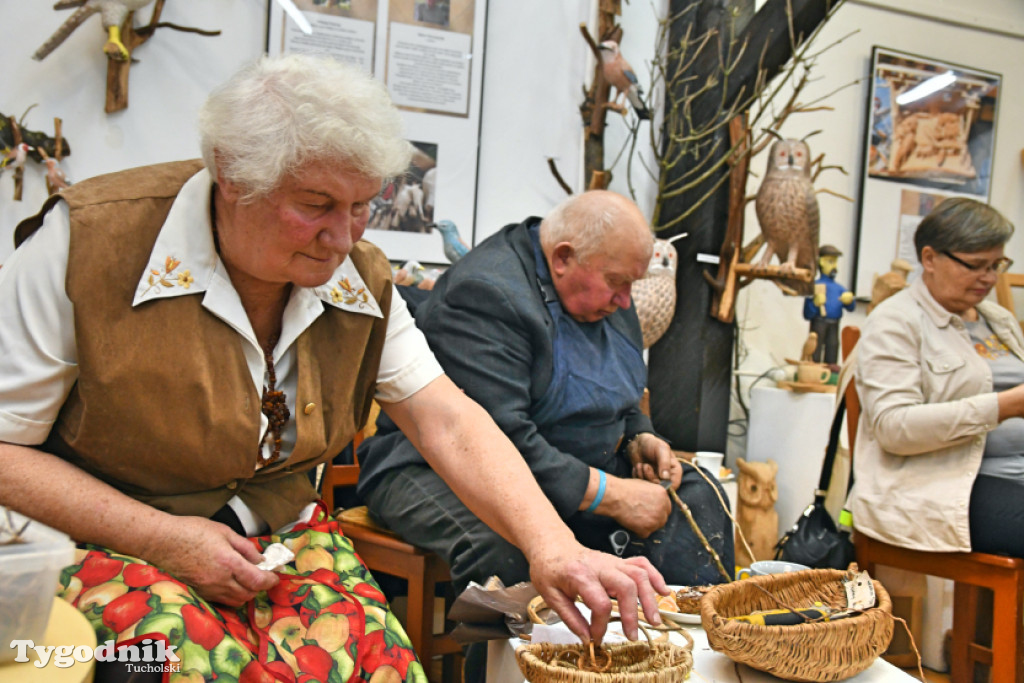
(690, 366)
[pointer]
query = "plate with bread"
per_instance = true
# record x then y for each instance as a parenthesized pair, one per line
(682, 605)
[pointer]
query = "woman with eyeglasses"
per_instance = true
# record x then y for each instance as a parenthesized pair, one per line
(939, 463)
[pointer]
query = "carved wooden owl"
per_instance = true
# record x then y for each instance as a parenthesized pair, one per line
(654, 295)
(755, 512)
(787, 210)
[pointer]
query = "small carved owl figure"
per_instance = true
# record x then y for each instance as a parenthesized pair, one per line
(654, 295)
(755, 512)
(787, 211)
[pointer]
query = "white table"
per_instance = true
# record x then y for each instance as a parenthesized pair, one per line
(710, 666)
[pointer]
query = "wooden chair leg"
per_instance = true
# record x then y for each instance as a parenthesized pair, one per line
(965, 619)
(420, 618)
(1008, 631)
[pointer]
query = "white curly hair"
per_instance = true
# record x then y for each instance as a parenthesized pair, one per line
(279, 113)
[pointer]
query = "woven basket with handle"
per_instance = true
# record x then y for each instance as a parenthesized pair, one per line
(818, 651)
(635, 662)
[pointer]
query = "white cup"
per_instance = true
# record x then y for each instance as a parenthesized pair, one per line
(709, 460)
(769, 567)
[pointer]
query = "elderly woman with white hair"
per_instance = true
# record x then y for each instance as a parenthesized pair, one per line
(182, 343)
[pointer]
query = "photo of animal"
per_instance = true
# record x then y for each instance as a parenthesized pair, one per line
(402, 203)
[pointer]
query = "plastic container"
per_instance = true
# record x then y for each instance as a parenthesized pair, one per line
(28, 581)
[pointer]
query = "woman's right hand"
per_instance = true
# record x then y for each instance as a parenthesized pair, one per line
(210, 558)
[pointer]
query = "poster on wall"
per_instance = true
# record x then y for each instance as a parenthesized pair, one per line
(429, 54)
(930, 134)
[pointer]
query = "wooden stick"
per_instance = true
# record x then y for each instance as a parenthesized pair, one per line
(50, 189)
(117, 71)
(599, 180)
(19, 173)
(774, 272)
(58, 146)
(700, 534)
(553, 167)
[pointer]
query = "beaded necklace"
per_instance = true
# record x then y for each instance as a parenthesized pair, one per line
(274, 407)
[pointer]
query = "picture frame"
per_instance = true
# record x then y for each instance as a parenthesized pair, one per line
(929, 134)
(429, 54)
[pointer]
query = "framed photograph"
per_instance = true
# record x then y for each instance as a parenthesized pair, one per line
(930, 134)
(429, 54)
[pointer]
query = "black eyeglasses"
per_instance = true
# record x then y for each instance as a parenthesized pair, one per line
(998, 266)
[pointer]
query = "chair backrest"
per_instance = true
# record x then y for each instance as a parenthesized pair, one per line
(341, 475)
(1004, 291)
(851, 335)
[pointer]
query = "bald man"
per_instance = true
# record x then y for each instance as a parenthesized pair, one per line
(536, 324)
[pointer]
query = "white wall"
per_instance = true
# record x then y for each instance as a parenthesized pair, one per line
(174, 73)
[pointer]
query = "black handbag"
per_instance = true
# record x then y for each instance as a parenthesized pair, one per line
(815, 540)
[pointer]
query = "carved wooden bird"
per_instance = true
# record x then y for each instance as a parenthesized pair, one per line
(55, 174)
(787, 210)
(620, 74)
(756, 517)
(15, 158)
(887, 284)
(454, 247)
(811, 343)
(112, 12)
(654, 295)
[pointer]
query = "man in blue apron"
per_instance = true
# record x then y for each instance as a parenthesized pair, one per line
(536, 324)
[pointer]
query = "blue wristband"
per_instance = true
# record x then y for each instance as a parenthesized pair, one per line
(600, 491)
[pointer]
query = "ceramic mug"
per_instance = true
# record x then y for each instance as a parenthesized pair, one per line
(766, 567)
(709, 460)
(813, 373)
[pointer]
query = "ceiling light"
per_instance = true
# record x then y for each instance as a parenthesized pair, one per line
(926, 88)
(296, 15)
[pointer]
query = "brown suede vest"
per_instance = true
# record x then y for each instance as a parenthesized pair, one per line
(164, 408)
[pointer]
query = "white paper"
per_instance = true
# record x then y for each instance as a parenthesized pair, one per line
(275, 556)
(429, 68)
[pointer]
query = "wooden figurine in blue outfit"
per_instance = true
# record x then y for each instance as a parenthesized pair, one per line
(825, 307)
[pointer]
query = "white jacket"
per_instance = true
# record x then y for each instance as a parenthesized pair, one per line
(927, 405)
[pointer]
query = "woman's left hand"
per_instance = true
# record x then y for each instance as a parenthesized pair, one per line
(654, 460)
(597, 578)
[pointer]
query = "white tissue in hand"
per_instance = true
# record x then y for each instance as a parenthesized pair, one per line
(276, 555)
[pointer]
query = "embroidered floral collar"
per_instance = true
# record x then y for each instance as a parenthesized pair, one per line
(184, 259)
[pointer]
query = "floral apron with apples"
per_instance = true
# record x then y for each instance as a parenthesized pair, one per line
(326, 622)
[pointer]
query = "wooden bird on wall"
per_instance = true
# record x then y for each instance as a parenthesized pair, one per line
(454, 247)
(654, 295)
(15, 157)
(11, 132)
(787, 210)
(620, 74)
(56, 179)
(113, 14)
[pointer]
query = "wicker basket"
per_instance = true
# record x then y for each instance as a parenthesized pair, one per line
(635, 662)
(820, 651)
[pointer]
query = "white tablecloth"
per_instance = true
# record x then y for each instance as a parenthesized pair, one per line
(710, 666)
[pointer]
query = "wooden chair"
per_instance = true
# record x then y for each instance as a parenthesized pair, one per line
(384, 552)
(1004, 291)
(1002, 651)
